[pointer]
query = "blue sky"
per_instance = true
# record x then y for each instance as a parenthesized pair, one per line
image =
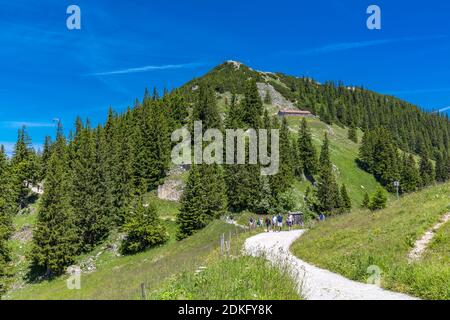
(49, 72)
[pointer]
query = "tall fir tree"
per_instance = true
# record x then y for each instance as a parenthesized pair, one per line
(284, 178)
(306, 151)
(7, 201)
(55, 240)
(327, 188)
(243, 181)
(191, 216)
(410, 179)
(346, 202)
(353, 133)
(426, 169)
(442, 169)
(252, 107)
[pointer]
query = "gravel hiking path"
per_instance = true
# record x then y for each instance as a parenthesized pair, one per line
(422, 244)
(314, 283)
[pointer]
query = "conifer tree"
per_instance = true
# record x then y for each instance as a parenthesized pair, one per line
(151, 147)
(213, 192)
(327, 188)
(442, 169)
(7, 201)
(159, 146)
(122, 187)
(4, 260)
(410, 179)
(46, 153)
(378, 155)
(205, 110)
(283, 179)
(252, 107)
(345, 200)
(55, 240)
(366, 201)
(243, 181)
(7, 206)
(143, 229)
(379, 200)
(426, 170)
(22, 166)
(306, 151)
(191, 216)
(352, 133)
(265, 201)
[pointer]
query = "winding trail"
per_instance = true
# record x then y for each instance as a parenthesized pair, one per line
(422, 244)
(314, 283)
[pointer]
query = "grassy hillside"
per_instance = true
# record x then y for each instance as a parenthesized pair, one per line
(121, 277)
(169, 271)
(343, 155)
(351, 243)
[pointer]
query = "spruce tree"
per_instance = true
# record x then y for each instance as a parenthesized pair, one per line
(4, 261)
(379, 200)
(352, 133)
(191, 216)
(7, 206)
(284, 178)
(46, 153)
(159, 145)
(143, 229)
(426, 170)
(346, 202)
(410, 179)
(306, 151)
(55, 240)
(442, 169)
(366, 201)
(22, 166)
(327, 188)
(252, 107)
(122, 187)
(7, 201)
(243, 181)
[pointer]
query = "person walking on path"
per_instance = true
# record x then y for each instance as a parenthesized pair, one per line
(268, 223)
(290, 221)
(280, 222)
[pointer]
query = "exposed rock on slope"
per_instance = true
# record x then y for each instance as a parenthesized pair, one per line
(277, 99)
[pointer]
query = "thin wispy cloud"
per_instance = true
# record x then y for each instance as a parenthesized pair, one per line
(147, 69)
(444, 109)
(362, 44)
(20, 124)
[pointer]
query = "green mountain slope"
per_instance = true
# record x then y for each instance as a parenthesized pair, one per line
(343, 155)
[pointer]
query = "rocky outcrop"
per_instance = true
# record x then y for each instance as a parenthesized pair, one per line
(171, 190)
(277, 98)
(173, 187)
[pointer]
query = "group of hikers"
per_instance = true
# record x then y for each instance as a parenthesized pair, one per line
(274, 223)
